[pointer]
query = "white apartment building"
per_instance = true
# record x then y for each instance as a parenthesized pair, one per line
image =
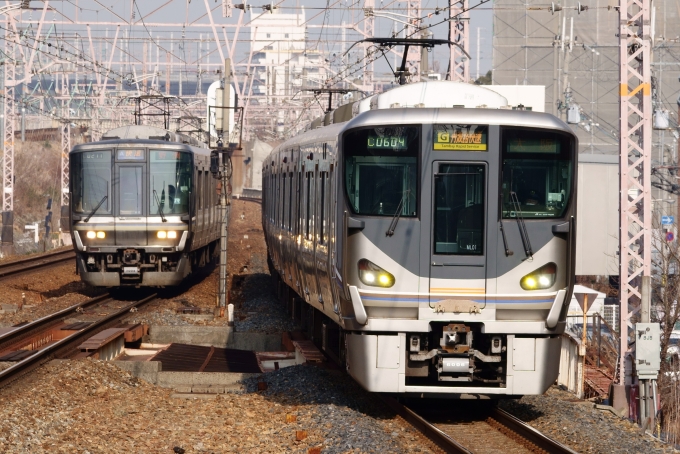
(282, 59)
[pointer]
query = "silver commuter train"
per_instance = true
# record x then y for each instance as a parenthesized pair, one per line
(434, 247)
(143, 208)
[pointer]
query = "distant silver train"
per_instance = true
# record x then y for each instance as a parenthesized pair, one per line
(143, 208)
(433, 246)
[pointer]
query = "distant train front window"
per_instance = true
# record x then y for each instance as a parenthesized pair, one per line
(537, 173)
(91, 181)
(381, 170)
(170, 182)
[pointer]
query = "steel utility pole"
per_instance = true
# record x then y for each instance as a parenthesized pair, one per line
(635, 232)
(459, 33)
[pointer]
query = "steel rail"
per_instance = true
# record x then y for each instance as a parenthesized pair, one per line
(63, 347)
(438, 437)
(42, 261)
(20, 333)
(249, 199)
(529, 433)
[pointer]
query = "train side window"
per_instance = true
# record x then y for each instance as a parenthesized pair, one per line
(290, 202)
(322, 198)
(206, 189)
(308, 198)
(298, 225)
(284, 201)
(200, 189)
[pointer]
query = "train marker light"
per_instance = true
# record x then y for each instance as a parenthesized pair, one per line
(372, 274)
(540, 279)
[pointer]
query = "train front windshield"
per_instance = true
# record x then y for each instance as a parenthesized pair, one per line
(537, 168)
(381, 170)
(91, 181)
(170, 182)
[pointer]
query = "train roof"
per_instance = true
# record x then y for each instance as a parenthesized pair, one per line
(521, 118)
(147, 143)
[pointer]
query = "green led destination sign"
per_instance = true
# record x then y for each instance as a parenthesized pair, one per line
(387, 143)
(523, 145)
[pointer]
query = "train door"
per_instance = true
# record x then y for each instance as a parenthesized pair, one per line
(457, 245)
(130, 197)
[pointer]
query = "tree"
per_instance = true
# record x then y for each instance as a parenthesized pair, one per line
(666, 311)
(485, 79)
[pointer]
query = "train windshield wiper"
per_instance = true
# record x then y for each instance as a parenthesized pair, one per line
(160, 207)
(95, 208)
(397, 215)
(520, 222)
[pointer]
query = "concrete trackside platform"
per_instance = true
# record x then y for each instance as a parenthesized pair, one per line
(213, 336)
(185, 382)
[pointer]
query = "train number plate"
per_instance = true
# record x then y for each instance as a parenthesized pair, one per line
(130, 270)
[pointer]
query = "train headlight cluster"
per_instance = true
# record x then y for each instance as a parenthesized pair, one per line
(91, 234)
(372, 274)
(162, 234)
(540, 279)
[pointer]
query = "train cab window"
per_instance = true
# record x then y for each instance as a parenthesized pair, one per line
(459, 209)
(91, 181)
(537, 168)
(381, 170)
(130, 190)
(170, 181)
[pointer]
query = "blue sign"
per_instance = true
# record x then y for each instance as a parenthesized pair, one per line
(667, 220)
(670, 236)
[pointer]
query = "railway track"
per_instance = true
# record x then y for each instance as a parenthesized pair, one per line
(249, 199)
(478, 432)
(35, 343)
(9, 269)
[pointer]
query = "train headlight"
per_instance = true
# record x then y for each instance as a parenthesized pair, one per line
(540, 279)
(172, 235)
(101, 235)
(372, 274)
(162, 234)
(91, 234)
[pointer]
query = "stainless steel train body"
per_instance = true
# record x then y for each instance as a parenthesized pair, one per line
(143, 211)
(435, 245)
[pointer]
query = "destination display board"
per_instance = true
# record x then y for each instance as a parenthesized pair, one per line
(387, 142)
(130, 155)
(548, 145)
(460, 138)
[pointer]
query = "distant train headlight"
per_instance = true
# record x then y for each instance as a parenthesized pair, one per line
(540, 279)
(372, 274)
